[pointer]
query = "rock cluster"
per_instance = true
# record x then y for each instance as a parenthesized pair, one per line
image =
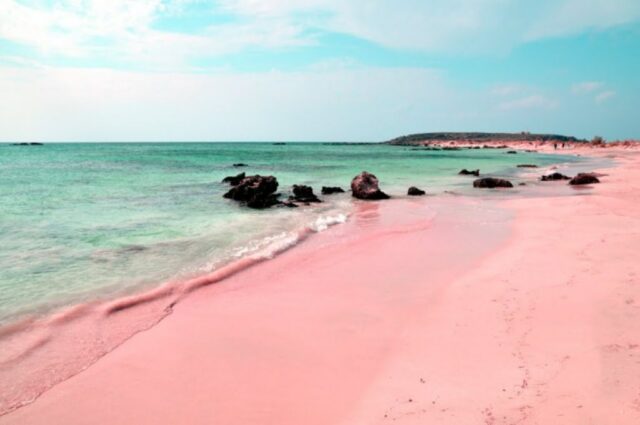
(255, 192)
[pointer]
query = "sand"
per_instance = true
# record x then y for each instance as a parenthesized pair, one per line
(440, 310)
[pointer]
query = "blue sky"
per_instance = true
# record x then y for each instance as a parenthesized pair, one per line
(146, 70)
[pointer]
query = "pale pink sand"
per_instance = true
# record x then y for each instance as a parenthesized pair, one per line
(394, 317)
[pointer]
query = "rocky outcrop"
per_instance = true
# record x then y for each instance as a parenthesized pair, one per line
(330, 190)
(365, 186)
(414, 191)
(584, 178)
(465, 172)
(234, 180)
(255, 192)
(302, 193)
(491, 183)
(554, 177)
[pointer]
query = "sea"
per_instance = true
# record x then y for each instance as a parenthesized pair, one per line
(81, 222)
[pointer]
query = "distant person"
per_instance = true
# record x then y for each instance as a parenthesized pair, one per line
(555, 146)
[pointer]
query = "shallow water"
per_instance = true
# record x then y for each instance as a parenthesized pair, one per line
(80, 222)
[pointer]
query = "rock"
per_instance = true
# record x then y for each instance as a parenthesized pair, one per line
(553, 177)
(491, 182)
(414, 191)
(450, 148)
(234, 180)
(584, 178)
(365, 186)
(289, 204)
(240, 164)
(522, 184)
(255, 191)
(302, 193)
(512, 152)
(527, 166)
(330, 190)
(465, 172)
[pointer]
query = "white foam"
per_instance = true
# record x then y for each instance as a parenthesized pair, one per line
(323, 223)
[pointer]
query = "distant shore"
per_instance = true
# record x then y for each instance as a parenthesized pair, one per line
(436, 310)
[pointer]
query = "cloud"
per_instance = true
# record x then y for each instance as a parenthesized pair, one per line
(604, 96)
(586, 87)
(126, 30)
(442, 25)
(342, 103)
(535, 101)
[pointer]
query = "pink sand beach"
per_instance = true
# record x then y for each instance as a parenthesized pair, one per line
(439, 310)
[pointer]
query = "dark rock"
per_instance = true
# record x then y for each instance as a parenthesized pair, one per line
(240, 164)
(289, 204)
(255, 191)
(450, 148)
(522, 184)
(302, 193)
(584, 178)
(234, 180)
(414, 191)
(512, 152)
(491, 182)
(330, 190)
(527, 166)
(365, 186)
(554, 177)
(466, 172)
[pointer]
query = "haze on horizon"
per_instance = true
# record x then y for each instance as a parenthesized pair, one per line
(198, 70)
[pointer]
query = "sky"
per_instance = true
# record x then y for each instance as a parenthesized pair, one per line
(316, 70)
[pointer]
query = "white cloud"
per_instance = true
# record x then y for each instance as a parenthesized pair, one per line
(441, 25)
(535, 101)
(73, 104)
(604, 96)
(124, 29)
(586, 87)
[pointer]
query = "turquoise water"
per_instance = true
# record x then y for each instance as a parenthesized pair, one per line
(93, 221)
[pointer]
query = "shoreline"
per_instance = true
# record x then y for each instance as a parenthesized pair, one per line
(286, 255)
(97, 327)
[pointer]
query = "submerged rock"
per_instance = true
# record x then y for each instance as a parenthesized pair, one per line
(330, 190)
(302, 193)
(527, 166)
(512, 152)
(465, 172)
(554, 177)
(491, 183)
(584, 178)
(255, 192)
(289, 204)
(414, 191)
(240, 164)
(365, 186)
(234, 180)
